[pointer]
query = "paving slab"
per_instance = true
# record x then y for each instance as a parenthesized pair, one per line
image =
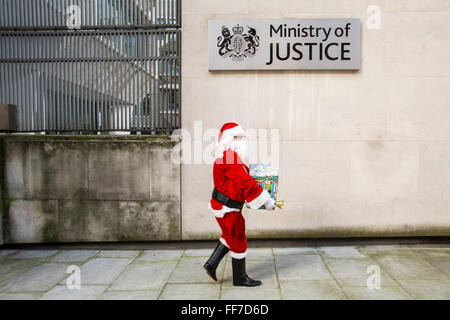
(384, 293)
(191, 291)
(407, 266)
(32, 254)
(427, 289)
(375, 249)
(144, 276)
(13, 268)
(305, 250)
(199, 252)
(340, 252)
(20, 296)
(243, 293)
(301, 267)
(387, 247)
(39, 278)
(432, 252)
(255, 254)
(119, 253)
(86, 292)
(160, 255)
(311, 290)
(263, 270)
(353, 272)
(74, 255)
(102, 270)
(190, 270)
(442, 264)
(131, 295)
(429, 246)
(5, 252)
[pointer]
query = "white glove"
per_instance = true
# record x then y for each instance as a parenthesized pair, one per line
(270, 204)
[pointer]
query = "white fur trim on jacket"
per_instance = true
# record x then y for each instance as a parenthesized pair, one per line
(238, 255)
(221, 213)
(259, 200)
(222, 240)
(235, 131)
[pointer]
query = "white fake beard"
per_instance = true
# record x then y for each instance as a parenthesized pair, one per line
(241, 148)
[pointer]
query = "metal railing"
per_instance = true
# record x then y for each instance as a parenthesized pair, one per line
(92, 80)
(89, 14)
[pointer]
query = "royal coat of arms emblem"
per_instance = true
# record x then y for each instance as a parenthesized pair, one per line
(238, 45)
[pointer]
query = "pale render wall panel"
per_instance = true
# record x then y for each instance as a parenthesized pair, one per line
(362, 153)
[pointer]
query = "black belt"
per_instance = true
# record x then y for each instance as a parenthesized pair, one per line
(223, 199)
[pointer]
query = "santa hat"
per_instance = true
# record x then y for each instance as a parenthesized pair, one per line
(226, 134)
(230, 129)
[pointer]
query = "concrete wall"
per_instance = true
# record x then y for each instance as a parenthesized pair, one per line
(362, 153)
(90, 188)
(2, 194)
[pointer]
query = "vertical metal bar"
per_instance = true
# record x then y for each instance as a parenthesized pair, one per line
(64, 80)
(155, 81)
(52, 103)
(166, 76)
(158, 2)
(126, 64)
(99, 114)
(77, 82)
(122, 81)
(26, 96)
(102, 84)
(103, 79)
(90, 82)
(69, 82)
(65, 85)
(158, 81)
(142, 77)
(172, 92)
(109, 110)
(107, 76)
(180, 79)
(32, 9)
(133, 64)
(35, 76)
(83, 80)
(165, 12)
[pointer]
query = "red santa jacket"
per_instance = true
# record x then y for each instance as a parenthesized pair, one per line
(232, 178)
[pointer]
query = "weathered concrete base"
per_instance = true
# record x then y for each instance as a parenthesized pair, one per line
(2, 191)
(89, 189)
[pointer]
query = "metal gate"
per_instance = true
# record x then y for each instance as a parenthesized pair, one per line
(91, 65)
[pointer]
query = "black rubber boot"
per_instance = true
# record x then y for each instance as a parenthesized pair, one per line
(240, 277)
(213, 261)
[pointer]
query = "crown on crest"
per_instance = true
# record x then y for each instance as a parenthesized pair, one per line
(238, 29)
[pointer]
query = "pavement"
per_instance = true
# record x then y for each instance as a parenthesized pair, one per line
(320, 272)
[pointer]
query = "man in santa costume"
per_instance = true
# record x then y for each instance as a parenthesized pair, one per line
(233, 186)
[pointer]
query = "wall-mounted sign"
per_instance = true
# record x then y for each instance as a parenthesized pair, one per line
(284, 44)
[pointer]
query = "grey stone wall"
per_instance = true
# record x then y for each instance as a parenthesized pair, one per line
(2, 169)
(90, 188)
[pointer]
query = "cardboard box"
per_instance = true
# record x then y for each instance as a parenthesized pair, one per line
(267, 178)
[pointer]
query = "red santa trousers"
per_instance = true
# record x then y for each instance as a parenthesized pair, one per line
(233, 233)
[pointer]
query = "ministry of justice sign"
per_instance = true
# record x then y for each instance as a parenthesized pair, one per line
(284, 44)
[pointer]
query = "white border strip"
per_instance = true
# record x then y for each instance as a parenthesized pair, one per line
(259, 200)
(238, 255)
(222, 240)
